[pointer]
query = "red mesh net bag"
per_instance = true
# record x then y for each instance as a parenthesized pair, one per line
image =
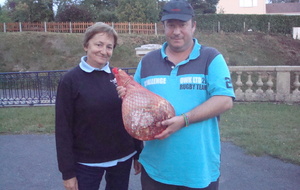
(141, 108)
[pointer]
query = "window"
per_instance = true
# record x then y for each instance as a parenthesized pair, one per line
(248, 3)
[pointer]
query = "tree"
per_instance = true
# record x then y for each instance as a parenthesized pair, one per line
(137, 11)
(4, 17)
(101, 4)
(73, 13)
(40, 10)
(204, 6)
(103, 10)
(30, 10)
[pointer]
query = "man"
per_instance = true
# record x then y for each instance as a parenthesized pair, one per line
(196, 81)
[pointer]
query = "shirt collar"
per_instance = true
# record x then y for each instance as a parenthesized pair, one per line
(88, 68)
(193, 55)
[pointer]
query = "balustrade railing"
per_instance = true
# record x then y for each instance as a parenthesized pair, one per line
(266, 83)
(251, 83)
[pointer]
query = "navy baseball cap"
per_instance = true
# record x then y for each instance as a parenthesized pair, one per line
(177, 9)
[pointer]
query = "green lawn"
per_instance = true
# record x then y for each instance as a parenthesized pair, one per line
(264, 128)
(260, 128)
(24, 120)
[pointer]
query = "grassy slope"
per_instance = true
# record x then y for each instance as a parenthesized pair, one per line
(33, 51)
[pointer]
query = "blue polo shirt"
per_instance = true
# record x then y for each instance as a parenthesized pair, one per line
(191, 156)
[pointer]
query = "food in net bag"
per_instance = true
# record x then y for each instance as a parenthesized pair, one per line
(141, 108)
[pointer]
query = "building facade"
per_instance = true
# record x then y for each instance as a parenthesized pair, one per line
(241, 7)
(257, 7)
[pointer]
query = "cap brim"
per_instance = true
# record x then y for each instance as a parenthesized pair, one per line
(181, 17)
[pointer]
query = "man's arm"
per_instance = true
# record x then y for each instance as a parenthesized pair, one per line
(211, 108)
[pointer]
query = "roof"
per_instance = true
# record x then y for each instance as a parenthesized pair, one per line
(283, 8)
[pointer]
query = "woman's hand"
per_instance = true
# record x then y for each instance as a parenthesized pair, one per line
(71, 184)
(121, 91)
(137, 167)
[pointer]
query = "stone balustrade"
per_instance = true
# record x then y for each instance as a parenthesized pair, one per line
(144, 49)
(266, 83)
(257, 83)
(251, 83)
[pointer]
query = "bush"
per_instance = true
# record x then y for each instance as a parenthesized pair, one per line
(280, 24)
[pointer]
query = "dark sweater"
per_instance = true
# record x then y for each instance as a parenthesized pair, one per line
(88, 123)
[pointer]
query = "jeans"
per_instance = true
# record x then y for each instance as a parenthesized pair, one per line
(117, 177)
(150, 184)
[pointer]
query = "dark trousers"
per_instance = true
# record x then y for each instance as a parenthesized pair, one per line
(150, 184)
(117, 177)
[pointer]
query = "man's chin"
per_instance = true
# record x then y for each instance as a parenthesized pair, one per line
(177, 46)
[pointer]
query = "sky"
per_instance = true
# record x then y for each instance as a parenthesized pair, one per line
(2, 2)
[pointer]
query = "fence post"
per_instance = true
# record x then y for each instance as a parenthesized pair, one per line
(112, 25)
(70, 24)
(269, 27)
(45, 26)
(219, 26)
(4, 27)
(20, 26)
(155, 27)
(244, 26)
(129, 28)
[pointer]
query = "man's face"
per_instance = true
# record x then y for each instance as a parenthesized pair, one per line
(179, 34)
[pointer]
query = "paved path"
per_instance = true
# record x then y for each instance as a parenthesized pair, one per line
(28, 162)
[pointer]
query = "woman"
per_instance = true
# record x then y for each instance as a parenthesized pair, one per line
(90, 136)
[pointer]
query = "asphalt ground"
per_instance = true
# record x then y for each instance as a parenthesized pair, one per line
(28, 162)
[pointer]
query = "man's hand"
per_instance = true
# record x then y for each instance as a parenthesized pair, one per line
(174, 124)
(71, 184)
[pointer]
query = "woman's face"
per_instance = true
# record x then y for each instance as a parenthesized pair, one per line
(99, 50)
